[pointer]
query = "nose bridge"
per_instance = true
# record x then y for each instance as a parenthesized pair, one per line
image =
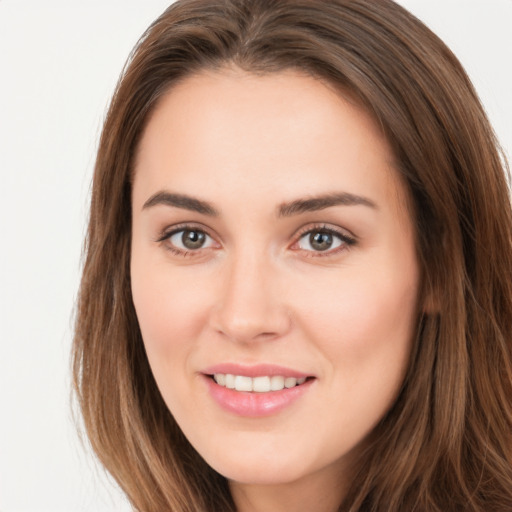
(250, 306)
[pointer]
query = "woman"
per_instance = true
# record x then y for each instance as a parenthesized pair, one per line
(296, 292)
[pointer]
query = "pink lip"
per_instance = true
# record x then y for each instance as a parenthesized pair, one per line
(253, 404)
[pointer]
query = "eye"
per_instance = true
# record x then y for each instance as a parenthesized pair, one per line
(323, 240)
(189, 240)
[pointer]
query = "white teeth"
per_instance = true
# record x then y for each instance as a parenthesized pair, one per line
(262, 384)
(290, 382)
(243, 383)
(220, 379)
(230, 381)
(276, 383)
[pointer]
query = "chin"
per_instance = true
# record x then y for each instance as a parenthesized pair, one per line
(272, 469)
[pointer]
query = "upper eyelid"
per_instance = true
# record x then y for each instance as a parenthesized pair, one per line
(168, 231)
(323, 226)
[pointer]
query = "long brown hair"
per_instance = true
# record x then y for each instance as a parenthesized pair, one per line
(446, 444)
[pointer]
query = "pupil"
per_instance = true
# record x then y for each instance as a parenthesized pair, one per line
(320, 241)
(193, 239)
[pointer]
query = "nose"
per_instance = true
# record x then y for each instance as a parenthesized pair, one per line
(251, 303)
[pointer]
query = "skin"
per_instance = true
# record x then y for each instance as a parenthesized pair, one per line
(258, 291)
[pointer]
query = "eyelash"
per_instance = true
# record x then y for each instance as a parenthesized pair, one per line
(347, 241)
(168, 233)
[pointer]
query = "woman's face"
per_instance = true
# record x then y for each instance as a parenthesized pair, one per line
(272, 250)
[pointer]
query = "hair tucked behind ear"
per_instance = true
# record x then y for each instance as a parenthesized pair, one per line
(446, 444)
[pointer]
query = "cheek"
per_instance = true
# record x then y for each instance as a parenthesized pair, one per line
(361, 308)
(171, 310)
(364, 324)
(364, 330)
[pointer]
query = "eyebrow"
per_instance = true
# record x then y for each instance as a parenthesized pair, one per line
(316, 203)
(296, 207)
(181, 201)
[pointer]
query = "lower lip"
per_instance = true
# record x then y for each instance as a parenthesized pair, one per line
(253, 404)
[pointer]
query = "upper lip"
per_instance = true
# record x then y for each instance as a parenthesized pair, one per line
(256, 370)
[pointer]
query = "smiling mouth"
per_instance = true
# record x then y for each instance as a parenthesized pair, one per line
(263, 384)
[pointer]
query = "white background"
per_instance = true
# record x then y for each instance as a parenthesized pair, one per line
(59, 62)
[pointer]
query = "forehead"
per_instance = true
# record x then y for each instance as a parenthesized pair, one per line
(284, 132)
